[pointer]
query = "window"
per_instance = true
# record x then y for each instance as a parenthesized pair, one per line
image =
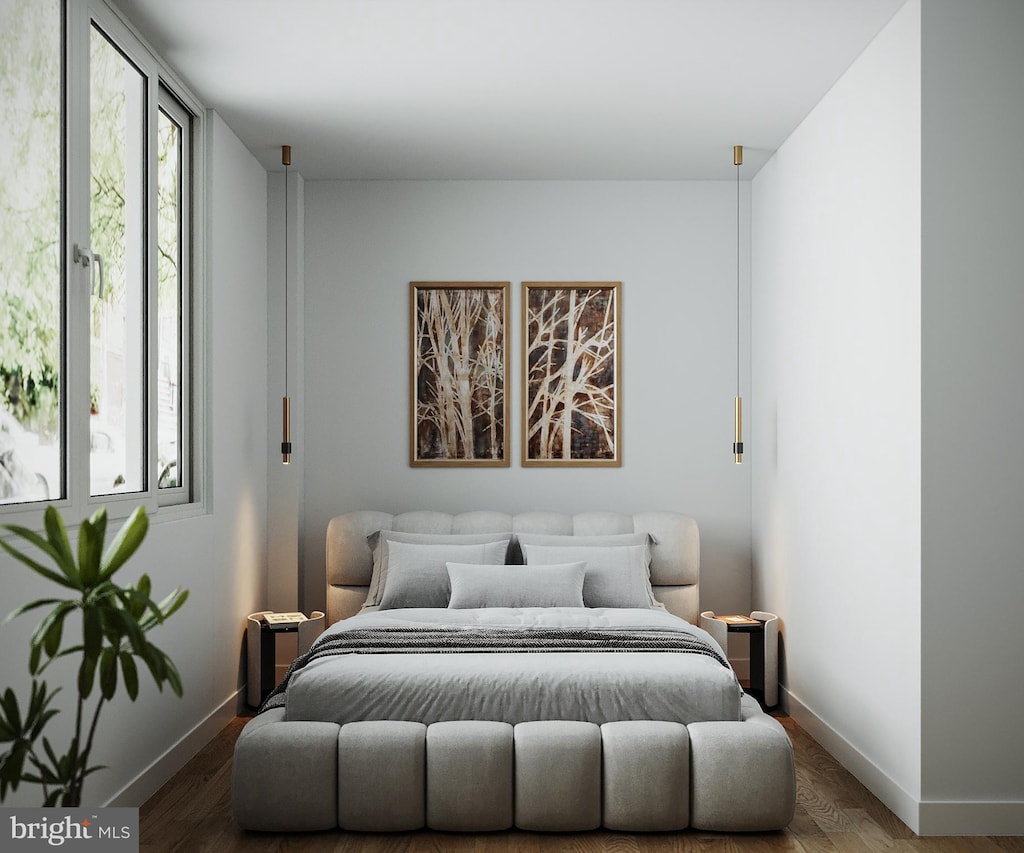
(31, 404)
(98, 216)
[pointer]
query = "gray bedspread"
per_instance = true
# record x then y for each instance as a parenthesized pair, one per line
(684, 681)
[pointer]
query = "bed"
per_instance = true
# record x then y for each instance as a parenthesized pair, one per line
(539, 670)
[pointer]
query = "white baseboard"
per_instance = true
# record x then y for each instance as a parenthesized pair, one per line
(903, 805)
(925, 817)
(150, 780)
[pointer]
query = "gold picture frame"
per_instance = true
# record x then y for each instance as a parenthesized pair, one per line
(571, 374)
(459, 374)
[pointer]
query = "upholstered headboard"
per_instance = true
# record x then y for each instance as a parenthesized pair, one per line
(675, 547)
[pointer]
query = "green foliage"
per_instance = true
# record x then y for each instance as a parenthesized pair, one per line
(114, 619)
(31, 190)
(30, 217)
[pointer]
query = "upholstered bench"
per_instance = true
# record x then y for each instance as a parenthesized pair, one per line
(551, 776)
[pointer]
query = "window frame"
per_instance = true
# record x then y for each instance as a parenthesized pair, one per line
(166, 91)
(170, 105)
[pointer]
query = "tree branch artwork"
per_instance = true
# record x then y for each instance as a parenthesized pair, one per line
(571, 373)
(459, 374)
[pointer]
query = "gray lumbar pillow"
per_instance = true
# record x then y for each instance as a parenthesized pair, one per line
(516, 586)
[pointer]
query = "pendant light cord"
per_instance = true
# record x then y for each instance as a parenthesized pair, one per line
(286, 279)
(737, 442)
(737, 279)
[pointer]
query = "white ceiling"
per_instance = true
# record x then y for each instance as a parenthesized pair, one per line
(511, 89)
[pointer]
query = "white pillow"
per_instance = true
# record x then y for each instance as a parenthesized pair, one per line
(617, 575)
(516, 586)
(417, 575)
(378, 542)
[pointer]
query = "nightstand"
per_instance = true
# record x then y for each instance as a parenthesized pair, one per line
(763, 629)
(261, 648)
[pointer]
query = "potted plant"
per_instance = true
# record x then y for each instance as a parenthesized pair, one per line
(114, 623)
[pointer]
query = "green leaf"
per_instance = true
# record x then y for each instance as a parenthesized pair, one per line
(6, 732)
(70, 650)
(44, 545)
(99, 523)
(32, 605)
(90, 550)
(35, 653)
(158, 613)
(58, 538)
(108, 673)
(12, 714)
(130, 628)
(60, 764)
(131, 675)
(92, 631)
(136, 603)
(173, 677)
(39, 712)
(12, 768)
(155, 662)
(86, 675)
(49, 631)
(38, 568)
(126, 542)
(44, 718)
(172, 604)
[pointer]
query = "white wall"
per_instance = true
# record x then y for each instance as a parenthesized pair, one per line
(672, 245)
(973, 462)
(219, 557)
(836, 295)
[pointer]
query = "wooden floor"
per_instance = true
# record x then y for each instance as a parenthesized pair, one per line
(192, 813)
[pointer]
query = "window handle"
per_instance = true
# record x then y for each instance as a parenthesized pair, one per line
(86, 258)
(98, 258)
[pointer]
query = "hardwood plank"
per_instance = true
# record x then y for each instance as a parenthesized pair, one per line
(834, 814)
(825, 779)
(808, 836)
(849, 842)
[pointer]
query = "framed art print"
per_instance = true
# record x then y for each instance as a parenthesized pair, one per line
(459, 345)
(571, 373)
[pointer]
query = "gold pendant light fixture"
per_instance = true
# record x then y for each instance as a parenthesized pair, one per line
(737, 440)
(286, 402)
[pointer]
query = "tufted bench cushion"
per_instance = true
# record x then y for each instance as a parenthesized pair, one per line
(550, 776)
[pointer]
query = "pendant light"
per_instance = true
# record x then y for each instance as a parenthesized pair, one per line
(286, 402)
(737, 441)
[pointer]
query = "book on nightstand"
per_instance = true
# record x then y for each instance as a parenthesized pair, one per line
(283, 621)
(737, 620)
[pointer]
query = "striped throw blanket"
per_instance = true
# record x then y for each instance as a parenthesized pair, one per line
(460, 639)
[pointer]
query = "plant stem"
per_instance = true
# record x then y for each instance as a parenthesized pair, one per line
(74, 793)
(83, 760)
